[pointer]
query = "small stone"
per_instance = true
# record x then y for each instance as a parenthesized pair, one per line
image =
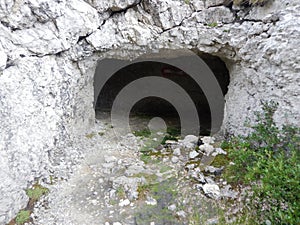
(227, 192)
(112, 193)
(170, 142)
(172, 207)
(176, 151)
(212, 221)
(268, 222)
(117, 223)
(106, 223)
(151, 201)
(190, 141)
(207, 140)
(181, 213)
(165, 159)
(220, 151)
(211, 190)
(191, 138)
(100, 180)
(207, 148)
(152, 223)
(134, 194)
(214, 170)
(190, 166)
(197, 175)
(193, 154)
(124, 202)
(174, 159)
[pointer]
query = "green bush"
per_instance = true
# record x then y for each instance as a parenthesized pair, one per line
(269, 160)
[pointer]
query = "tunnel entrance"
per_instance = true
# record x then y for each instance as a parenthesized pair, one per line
(153, 106)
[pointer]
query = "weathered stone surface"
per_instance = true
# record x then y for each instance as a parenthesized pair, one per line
(49, 51)
(3, 59)
(193, 154)
(212, 190)
(214, 16)
(189, 141)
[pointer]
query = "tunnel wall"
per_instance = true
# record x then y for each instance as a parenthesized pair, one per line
(49, 52)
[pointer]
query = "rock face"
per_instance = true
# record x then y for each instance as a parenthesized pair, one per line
(49, 52)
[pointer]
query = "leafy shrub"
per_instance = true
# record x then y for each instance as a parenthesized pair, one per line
(269, 160)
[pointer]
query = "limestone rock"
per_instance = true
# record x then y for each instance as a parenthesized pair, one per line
(124, 202)
(228, 192)
(177, 151)
(189, 141)
(3, 60)
(216, 15)
(193, 154)
(151, 201)
(219, 151)
(207, 148)
(48, 57)
(214, 170)
(212, 190)
(174, 159)
(117, 223)
(207, 140)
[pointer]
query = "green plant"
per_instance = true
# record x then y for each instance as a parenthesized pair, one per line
(143, 190)
(269, 160)
(173, 131)
(121, 192)
(214, 24)
(36, 192)
(142, 133)
(145, 158)
(164, 168)
(22, 217)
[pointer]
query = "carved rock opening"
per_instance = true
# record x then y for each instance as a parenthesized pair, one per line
(153, 106)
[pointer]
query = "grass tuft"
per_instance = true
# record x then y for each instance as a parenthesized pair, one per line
(22, 217)
(36, 192)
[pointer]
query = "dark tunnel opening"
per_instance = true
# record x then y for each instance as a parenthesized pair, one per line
(152, 106)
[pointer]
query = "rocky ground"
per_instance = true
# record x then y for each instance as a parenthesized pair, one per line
(137, 181)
